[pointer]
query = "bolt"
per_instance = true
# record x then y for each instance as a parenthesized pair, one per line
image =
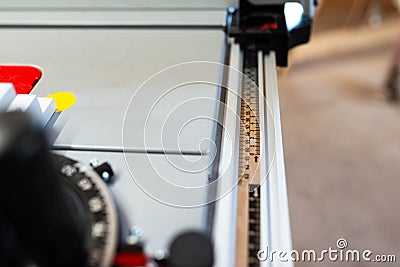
(160, 254)
(94, 162)
(135, 235)
(106, 176)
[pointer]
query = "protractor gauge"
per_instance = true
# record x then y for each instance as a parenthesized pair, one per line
(93, 207)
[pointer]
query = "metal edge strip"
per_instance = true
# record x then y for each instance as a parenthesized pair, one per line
(278, 234)
(221, 96)
(225, 215)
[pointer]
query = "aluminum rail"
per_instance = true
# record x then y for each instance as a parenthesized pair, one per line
(275, 230)
(275, 234)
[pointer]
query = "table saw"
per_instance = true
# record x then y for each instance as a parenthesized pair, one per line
(180, 98)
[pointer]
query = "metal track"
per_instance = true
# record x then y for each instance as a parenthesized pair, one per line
(248, 211)
(258, 206)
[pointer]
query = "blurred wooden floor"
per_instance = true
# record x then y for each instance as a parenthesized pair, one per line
(342, 142)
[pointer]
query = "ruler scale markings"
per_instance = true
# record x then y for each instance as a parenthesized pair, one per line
(248, 208)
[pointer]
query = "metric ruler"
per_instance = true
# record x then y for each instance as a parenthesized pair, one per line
(248, 206)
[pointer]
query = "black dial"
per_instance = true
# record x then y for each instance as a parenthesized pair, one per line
(53, 210)
(93, 207)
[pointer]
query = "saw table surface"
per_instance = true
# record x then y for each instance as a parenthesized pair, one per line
(104, 69)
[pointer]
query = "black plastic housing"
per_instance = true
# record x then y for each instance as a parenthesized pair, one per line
(264, 27)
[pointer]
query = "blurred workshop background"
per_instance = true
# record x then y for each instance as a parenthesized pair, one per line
(342, 132)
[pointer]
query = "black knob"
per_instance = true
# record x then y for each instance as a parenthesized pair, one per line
(191, 249)
(36, 225)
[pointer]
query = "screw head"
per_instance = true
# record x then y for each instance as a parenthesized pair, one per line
(160, 254)
(135, 235)
(94, 162)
